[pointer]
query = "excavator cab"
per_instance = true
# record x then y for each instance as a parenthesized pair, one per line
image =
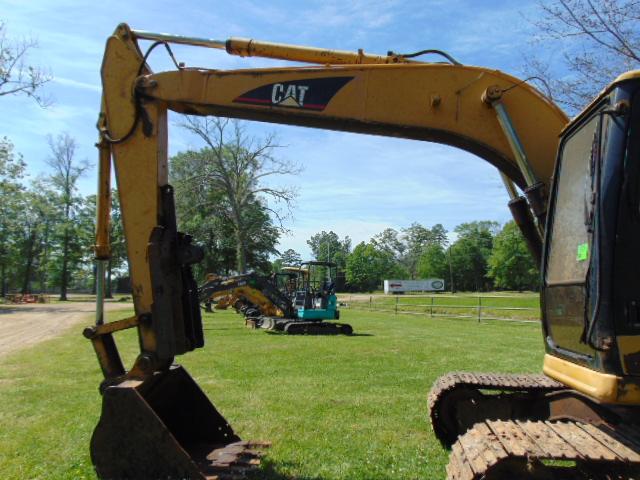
(591, 279)
(286, 280)
(316, 293)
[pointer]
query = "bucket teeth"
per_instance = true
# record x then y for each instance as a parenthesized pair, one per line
(233, 461)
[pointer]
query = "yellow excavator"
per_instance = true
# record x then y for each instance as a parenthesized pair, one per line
(253, 294)
(579, 212)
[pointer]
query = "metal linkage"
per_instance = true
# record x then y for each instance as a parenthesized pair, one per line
(246, 47)
(179, 39)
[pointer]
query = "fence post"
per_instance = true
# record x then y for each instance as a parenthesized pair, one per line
(431, 307)
(370, 302)
(479, 308)
(397, 304)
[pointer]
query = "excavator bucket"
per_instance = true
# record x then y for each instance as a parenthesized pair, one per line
(166, 427)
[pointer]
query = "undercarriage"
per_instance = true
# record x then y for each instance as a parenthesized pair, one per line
(504, 426)
(300, 327)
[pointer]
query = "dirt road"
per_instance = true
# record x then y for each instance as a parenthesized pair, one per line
(25, 325)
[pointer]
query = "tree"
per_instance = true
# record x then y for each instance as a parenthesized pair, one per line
(288, 258)
(66, 172)
(237, 166)
(291, 257)
(199, 214)
(367, 266)
(17, 77)
(48, 225)
(433, 263)
(600, 39)
(118, 256)
(390, 241)
(439, 235)
(36, 219)
(470, 254)
(12, 169)
(510, 264)
(416, 238)
(82, 251)
(327, 247)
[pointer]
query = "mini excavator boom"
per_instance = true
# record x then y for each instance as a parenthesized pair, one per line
(157, 423)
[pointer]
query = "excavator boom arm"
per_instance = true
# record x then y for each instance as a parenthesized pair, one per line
(452, 104)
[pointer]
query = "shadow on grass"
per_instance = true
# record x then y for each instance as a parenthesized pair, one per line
(272, 332)
(270, 471)
(211, 329)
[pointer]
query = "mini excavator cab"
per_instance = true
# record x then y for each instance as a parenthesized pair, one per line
(287, 280)
(316, 296)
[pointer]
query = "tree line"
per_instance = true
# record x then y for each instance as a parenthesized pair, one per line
(483, 257)
(47, 227)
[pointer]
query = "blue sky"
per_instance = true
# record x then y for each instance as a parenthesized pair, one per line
(355, 185)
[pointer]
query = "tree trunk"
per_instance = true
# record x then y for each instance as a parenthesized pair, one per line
(44, 260)
(241, 258)
(29, 263)
(65, 267)
(3, 285)
(241, 254)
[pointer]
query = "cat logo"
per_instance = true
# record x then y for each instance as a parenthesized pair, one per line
(292, 96)
(309, 94)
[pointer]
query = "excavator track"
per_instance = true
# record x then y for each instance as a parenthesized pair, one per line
(507, 450)
(454, 388)
(317, 328)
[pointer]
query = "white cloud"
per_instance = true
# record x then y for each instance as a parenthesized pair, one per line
(77, 84)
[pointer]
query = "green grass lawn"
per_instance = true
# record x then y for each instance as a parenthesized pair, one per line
(507, 305)
(334, 407)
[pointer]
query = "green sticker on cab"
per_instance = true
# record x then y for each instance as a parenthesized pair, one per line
(583, 252)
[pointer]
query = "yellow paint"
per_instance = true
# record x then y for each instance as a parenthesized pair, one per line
(245, 47)
(253, 295)
(602, 387)
(630, 75)
(103, 203)
(391, 100)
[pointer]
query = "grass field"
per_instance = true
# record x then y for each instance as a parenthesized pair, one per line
(334, 407)
(504, 305)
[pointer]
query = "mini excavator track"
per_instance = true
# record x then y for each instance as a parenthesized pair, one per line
(317, 328)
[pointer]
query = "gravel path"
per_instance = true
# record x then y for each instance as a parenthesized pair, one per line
(25, 325)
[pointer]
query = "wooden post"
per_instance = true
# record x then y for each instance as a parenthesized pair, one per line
(397, 304)
(479, 308)
(431, 307)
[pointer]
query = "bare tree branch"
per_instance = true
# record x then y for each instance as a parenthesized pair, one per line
(16, 76)
(597, 41)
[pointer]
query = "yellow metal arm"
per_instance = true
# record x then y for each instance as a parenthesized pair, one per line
(433, 102)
